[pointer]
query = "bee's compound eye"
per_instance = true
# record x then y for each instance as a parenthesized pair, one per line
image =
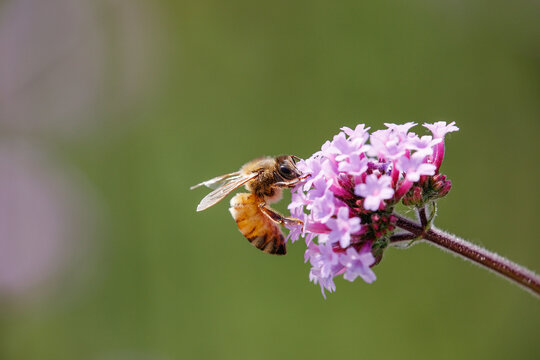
(286, 171)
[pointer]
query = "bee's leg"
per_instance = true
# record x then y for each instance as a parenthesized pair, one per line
(277, 217)
(291, 183)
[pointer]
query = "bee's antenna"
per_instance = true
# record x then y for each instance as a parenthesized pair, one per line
(295, 158)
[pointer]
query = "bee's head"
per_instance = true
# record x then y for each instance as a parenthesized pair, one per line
(286, 168)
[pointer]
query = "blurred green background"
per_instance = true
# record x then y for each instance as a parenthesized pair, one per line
(133, 102)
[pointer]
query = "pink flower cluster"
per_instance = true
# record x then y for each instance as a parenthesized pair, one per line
(356, 180)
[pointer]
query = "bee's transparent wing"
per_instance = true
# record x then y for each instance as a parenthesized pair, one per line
(217, 195)
(218, 180)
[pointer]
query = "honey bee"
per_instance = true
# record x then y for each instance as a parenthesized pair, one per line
(264, 178)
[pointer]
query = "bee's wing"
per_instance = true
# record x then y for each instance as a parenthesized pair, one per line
(217, 195)
(216, 182)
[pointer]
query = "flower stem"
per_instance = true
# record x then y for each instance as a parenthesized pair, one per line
(401, 238)
(504, 267)
(422, 216)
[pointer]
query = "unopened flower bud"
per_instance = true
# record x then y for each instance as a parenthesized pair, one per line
(446, 188)
(414, 197)
(438, 182)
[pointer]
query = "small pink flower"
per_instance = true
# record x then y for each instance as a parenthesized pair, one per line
(295, 231)
(401, 130)
(414, 167)
(359, 132)
(325, 265)
(358, 264)
(440, 129)
(354, 166)
(386, 144)
(375, 190)
(342, 227)
(324, 207)
(357, 138)
(341, 146)
(422, 144)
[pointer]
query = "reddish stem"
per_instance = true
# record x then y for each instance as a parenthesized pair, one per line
(401, 237)
(423, 217)
(504, 267)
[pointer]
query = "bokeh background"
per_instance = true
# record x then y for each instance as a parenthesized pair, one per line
(111, 109)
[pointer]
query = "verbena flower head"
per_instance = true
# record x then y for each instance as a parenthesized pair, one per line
(347, 203)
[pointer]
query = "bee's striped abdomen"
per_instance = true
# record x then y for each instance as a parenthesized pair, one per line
(262, 232)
